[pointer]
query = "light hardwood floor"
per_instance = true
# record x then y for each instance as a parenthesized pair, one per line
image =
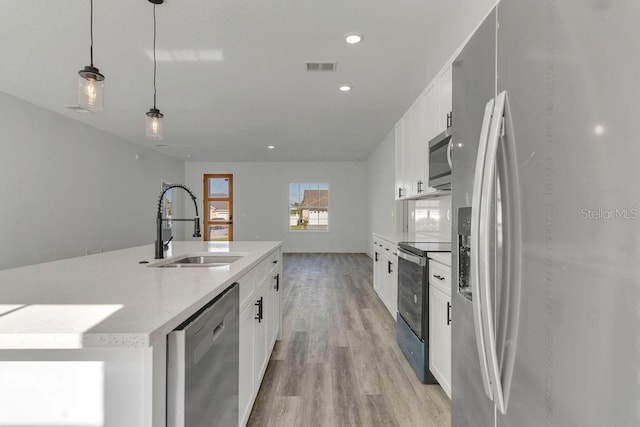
(338, 363)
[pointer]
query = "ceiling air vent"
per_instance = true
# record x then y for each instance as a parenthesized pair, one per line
(321, 66)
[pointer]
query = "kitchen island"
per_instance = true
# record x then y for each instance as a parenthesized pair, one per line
(90, 332)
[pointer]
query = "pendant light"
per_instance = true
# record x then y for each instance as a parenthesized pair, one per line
(91, 82)
(154, 125)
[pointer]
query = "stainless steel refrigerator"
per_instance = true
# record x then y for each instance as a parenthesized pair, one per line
(546, 219)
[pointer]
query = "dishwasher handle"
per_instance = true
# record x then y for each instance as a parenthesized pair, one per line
(208, 342)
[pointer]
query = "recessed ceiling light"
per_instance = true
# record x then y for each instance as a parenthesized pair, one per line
(353, 38)
(271, 147)
(345, 88)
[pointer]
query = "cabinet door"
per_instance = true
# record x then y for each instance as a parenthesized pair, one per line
(440, 337)
(422, 147)
(378, 272)
(415, 138)
(392, 286)
(273, 315)
(400, 153)
(260, 331)
(445, 93)
(246, 365)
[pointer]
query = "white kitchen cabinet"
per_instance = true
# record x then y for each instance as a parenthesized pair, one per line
(274, 317)
(440, 324)
(246, 362)
(402, 151)
(261, 356)
(391, 291)
(260, 323)
(426, 118)
(385, 273)
(444, 87)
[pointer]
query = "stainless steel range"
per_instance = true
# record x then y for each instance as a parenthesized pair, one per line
(413, 304)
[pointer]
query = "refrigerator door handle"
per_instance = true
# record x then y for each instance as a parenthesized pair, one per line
(449, 148)
(488, 185)
(475, 276)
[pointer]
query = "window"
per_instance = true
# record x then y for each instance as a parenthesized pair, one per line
(308, 207)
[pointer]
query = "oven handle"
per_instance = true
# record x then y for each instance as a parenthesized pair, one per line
(421, 261)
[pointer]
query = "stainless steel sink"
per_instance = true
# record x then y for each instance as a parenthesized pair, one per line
(199, 261)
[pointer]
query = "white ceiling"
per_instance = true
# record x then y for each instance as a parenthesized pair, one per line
(248, 87)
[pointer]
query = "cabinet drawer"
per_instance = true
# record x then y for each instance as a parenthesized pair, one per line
(247, 288)
(389, 248)
(273, 260)
(440, 276)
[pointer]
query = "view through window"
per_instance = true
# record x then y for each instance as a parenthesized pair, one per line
(309, 206)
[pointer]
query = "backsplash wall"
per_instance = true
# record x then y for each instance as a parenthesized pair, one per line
(430, 216)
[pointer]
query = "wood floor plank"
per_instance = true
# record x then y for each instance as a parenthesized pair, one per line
(338, 363)
(317, 395)
(286, 412)
(363, 354)
(346, 401)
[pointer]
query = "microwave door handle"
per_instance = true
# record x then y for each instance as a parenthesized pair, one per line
(475, 272)
(449, 148)
(489, 182)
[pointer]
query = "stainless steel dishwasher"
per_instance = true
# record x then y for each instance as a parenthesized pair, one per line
(202, 365)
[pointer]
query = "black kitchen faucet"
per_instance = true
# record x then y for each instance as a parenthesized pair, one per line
(159, 219)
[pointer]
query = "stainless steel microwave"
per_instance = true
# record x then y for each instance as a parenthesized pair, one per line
(440, 161)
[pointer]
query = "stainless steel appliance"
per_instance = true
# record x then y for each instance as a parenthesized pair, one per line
(545, 326)
(440, 160)
(202, 366)
(412, 328)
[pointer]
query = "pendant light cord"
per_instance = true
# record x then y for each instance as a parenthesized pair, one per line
(154, 56)
(91, 29)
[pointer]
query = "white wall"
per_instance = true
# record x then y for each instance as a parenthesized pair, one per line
(261, 197)
(385, 213)
(67, 189)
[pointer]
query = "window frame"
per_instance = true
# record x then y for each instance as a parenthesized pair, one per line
(328, 188)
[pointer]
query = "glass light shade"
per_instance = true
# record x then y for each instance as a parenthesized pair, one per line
(155, 126)
(91, 93)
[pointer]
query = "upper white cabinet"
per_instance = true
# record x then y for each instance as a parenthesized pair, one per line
(428, 116)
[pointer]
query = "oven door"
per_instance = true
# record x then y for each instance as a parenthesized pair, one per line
(412, 272)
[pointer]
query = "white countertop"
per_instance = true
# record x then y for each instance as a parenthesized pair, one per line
(109, 299)
(441, 257)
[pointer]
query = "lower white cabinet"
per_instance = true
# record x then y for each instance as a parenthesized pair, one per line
(260, 323)
(385, 273)
(440, 324)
